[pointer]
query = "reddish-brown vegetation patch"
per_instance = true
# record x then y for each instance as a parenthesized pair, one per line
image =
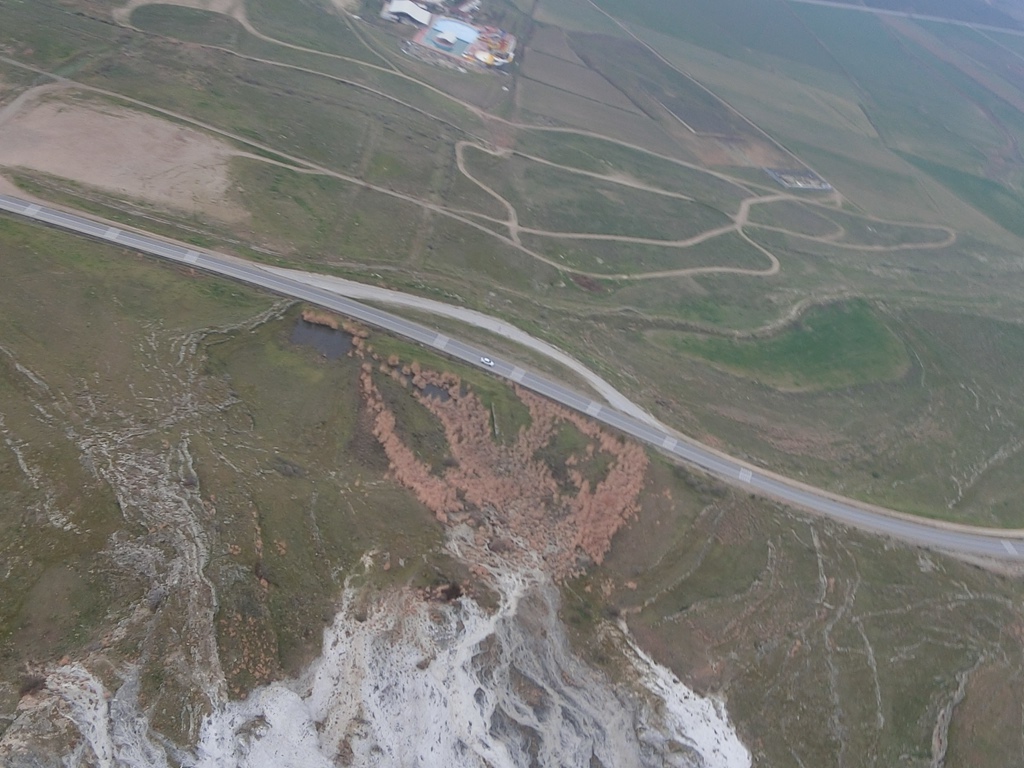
(321, 318)
(588, 283)
(251, 654)
(509, 500)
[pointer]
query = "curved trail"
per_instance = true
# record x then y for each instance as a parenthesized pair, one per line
(963, 540)
(740, 220)
(514, 227)
(308, 167)
(235, 9)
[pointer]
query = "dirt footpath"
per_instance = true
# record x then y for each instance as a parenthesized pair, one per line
(119, 151)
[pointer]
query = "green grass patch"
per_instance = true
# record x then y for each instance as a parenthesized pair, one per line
(417, 427)
(654, 86)
(795, 217)
(509, 415)
(321, 218)
(190, 24)
(596, 155)
(761, 35)
(570, 449)
(575, 15)
(52, 36)
(839, 345)
(554, 199)
(724, 570)
(609, 257)
(314, 24)
(843, 227)
(906, 88)
(1001, 205)
(469, 256)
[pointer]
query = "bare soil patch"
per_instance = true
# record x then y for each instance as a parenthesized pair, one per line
(7, 187)
(123, 152)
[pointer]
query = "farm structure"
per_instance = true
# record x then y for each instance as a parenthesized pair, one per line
(798, 179)
(407, 12)
(453, 42)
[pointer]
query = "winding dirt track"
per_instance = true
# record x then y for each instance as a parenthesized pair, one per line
(235, 9)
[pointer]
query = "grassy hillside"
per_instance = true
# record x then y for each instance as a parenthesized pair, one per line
(637, 122)
(248, 427)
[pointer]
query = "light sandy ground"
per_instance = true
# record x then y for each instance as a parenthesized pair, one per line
(118, 151)
(7, 187)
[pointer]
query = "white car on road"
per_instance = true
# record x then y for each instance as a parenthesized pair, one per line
(487, 361)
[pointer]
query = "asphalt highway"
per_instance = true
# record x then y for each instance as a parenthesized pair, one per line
(956, 539)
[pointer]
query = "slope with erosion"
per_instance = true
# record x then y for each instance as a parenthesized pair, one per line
(738, 598)
(408, 201)
(235, 469)
(256, 460)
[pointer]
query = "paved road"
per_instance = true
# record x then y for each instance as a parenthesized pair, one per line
(959, 539)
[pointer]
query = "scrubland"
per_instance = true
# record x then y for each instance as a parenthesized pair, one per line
(608, 196)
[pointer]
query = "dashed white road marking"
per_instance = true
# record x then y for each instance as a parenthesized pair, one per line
(745, 475)
(1008, 546)
(112, 234)
(669, 443)
(33, 209)
(192, 257)
(593, 409)
(441, 341)
(517, 374)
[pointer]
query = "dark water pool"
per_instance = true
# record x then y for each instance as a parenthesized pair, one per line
(432, 390)
(330, 343)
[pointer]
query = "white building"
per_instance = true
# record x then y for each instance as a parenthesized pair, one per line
(406, 11)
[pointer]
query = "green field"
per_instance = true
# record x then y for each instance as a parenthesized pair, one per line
(308, 24)
(864, 365)
(845, 227)
(191, 24)
(835, 346)
(728, 251)
(597, 155)
(1001, 205)
(796, 217)
(846, 646)
(549, 198)
(864, 124)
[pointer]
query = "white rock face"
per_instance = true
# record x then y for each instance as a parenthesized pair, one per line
(438, 685)
(415, 684)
